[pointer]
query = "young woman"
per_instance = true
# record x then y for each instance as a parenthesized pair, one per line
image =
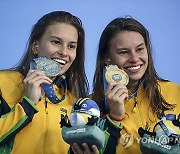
(146, 98)
(29, 118)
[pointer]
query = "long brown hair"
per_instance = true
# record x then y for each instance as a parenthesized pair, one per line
(157, 102)
(75, 76)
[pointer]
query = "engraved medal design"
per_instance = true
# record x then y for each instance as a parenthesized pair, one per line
(114, 74)
(50, 67)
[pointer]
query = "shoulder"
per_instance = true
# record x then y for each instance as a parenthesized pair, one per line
(170, 91)
(4, 75)
(11, 86)
(168, 86)
(10, 78)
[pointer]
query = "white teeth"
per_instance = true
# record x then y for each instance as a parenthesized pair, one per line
(60, 61)
(134, 68)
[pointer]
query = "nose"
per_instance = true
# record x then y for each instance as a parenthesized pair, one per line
(133, 57)
(63, 51)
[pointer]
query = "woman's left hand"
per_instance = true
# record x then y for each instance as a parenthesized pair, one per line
(77, 150)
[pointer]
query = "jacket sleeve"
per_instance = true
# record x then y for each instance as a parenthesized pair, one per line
(112, 135)
(15, 119)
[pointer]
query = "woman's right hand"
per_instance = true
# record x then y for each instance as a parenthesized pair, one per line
(32, 84)
(115, 94)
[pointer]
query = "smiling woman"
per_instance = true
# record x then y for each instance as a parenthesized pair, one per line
(128, 51)
(59, 42)
(30, 118)
(145, 99)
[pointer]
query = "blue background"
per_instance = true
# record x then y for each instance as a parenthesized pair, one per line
(160, 17)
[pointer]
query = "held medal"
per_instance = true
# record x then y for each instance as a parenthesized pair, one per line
(50, 67)
(114, 74)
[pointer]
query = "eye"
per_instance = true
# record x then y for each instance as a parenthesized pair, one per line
(140, 49)
(122, 52)
(56, 42)
(72, 46)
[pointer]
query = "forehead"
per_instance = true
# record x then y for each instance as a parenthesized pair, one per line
(62, 30)
(127, 38)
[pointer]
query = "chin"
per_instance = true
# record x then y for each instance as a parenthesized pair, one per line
(135, 78)
(64, 69)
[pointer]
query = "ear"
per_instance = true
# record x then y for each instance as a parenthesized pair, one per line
(35, 47)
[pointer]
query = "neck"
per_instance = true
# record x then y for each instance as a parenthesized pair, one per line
(132, 86)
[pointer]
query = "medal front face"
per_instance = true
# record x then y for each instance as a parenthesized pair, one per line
(114, 74)
(50, 67)
(116, 77)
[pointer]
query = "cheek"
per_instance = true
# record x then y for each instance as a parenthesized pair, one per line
(117, 61)
(145, 58)
(46, 49)
(73, 56)
(44, 52)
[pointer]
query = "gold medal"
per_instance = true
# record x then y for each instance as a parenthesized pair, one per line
(114, 74)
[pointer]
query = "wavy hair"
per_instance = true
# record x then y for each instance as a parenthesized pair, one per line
(157, 102)
(76, 78)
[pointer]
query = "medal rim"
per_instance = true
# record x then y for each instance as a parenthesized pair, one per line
(48, 62)
(115, 70)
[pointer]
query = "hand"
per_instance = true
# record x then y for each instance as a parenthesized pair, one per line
(115, 95)
(77, 150)
(32, 84)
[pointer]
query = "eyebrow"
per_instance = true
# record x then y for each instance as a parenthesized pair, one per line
(61, 39)
(140, 45)
(127, 48)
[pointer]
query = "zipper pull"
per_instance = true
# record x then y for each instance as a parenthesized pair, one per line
(46, 109)
(135, 105)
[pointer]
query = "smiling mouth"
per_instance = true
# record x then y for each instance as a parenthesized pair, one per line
(60, 61)
(134, 67)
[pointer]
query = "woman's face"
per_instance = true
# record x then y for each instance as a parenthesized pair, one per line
(128, 51)
(58, 42)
